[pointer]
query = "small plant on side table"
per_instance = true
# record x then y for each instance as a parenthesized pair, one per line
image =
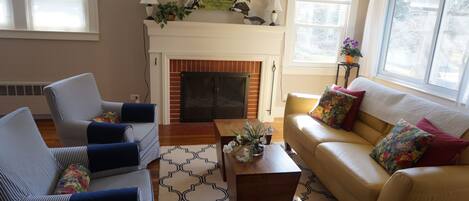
(350, 50)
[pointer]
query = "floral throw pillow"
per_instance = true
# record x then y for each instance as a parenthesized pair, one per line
(74, 179)
(401, 148)
(107, 117)
(333, 107)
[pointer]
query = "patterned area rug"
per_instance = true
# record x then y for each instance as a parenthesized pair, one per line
(190, 173)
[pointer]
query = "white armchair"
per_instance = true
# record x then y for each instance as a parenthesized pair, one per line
(75, 101)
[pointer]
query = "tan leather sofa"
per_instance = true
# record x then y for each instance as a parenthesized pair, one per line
(341, 160)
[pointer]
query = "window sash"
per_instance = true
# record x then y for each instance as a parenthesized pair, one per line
(8, 14)
(342, 29)
(31, 20)
(23, 29)
(424, 84)
(339, 29)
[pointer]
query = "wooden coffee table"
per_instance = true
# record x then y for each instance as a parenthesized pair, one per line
(274, 176)
(224, 134)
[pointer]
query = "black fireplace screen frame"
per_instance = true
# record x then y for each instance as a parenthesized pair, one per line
(216, 76)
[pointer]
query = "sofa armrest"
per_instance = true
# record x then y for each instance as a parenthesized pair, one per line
(112, 156)
(427, 183)
(104, 133)
(80, 131)
(71, 155)
(102, 160)
(76, 132)
(300, 103)
(115, 107)
(49, 198)
(125, 194)
(138, 113)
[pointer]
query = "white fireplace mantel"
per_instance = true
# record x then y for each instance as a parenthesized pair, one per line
(213, 41)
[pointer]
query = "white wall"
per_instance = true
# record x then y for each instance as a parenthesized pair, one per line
(117, 60)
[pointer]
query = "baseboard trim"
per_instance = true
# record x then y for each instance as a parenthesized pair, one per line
(278, 112)
(42, 116)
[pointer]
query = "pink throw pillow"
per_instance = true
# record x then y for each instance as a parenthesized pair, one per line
(349, 120)
(443, 150)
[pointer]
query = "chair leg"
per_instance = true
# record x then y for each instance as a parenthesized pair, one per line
(287, 147)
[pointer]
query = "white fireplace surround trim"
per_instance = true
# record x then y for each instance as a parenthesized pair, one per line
(213, 41)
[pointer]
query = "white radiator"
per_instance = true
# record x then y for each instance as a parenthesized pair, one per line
(24, 94)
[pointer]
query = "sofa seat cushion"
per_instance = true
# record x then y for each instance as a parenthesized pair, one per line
(314, 132)
(144, 133)
(355, 170)
(140, 179)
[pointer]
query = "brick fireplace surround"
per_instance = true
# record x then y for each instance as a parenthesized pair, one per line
(178, 65)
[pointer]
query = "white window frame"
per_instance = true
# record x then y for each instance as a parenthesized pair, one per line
(420, 85)
(21, 25)
(293, 67)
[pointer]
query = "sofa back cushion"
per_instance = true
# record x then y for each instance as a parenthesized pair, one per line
(376, 121)
(391, 105)
(371, 128)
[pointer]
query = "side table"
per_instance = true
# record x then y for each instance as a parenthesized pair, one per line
(348, 67)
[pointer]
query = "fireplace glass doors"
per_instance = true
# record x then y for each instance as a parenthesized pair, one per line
(212, 95)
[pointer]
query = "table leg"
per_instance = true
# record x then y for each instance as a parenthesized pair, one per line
(347, 75)
(337, 74)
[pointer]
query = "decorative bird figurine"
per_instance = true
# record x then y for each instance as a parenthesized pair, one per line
(192, 4)
(241, 6)
(254, 20)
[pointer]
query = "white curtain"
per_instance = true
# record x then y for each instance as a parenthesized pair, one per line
(373, 37)
(463, 96)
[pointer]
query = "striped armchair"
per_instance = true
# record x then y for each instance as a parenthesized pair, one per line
(75, 101)
(29, 170)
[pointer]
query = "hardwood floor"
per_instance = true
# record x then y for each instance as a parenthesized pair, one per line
(170, 135)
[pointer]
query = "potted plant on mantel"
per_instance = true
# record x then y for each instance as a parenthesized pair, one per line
(350, 51)
(169, 12)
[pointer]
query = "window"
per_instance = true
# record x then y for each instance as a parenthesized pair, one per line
(426, 44)
(59, 15)
(6, 19)
(52, 19)
(317, 28)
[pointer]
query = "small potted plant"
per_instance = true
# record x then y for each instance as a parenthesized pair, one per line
(169, 12)
(350, 50)
(249, 142)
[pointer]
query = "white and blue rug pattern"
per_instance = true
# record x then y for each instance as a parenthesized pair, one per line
(190, 173)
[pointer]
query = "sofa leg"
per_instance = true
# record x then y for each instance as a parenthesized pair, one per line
(287, 147)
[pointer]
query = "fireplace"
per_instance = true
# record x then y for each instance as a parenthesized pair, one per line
(226, 76)
(206, 96)
(215, 47)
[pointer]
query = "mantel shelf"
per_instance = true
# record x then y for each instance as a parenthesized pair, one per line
(218, 26)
